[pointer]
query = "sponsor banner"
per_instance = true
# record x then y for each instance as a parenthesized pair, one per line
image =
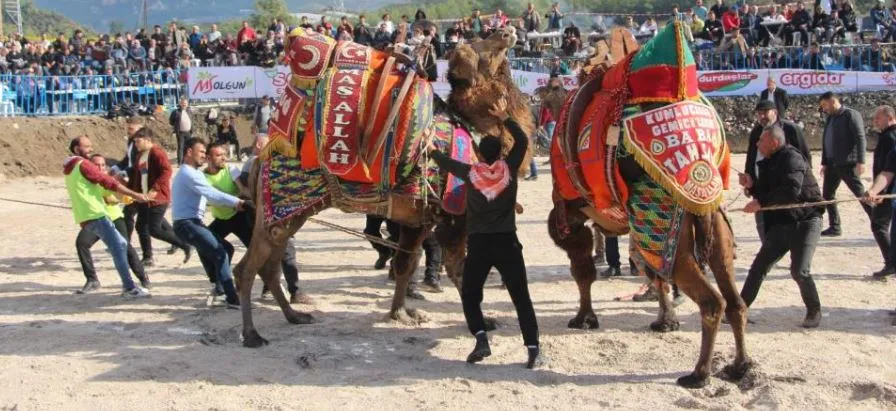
(221, 82)
(731, 83)
(254, 82)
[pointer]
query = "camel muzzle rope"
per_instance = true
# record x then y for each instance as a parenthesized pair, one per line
(391, 244)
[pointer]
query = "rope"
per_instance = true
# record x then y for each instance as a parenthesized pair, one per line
(814, 204)
(391, 244)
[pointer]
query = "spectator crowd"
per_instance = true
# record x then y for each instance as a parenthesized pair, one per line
(826, 34)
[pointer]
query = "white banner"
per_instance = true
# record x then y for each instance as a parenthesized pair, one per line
(206, 83)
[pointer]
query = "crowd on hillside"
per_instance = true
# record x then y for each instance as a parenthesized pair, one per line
(736, 36)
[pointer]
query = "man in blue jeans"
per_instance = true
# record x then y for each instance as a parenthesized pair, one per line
(190, 193)
(85, 182)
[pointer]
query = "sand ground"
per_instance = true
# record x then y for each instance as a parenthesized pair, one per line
(65, 351)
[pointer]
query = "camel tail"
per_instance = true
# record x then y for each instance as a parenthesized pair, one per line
(703, 237)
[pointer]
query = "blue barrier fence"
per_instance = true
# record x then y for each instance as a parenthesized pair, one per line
(829, 57)
(29, 95)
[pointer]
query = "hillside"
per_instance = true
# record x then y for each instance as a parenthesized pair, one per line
(37, 21)
(100, 13)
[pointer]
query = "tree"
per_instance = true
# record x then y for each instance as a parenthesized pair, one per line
(116, 27)
(267, 10)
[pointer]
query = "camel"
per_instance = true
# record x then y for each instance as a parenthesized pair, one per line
(606, 172)
(416, 215)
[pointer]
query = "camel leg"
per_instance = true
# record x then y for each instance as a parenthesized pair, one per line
(404, 265)
(578, 245)
(451, 233)
(258, 253)
(721, 262)
(693, 283)
(265, 241)
(666, 320)
(270, 274)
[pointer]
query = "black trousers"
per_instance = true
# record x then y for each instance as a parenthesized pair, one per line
(504, 252)
(833, 176)
(760, 225)
(881, 215)
(182, 137)
(432, 250)
(86, 239)
(800, 240)
(372, 228)
(241, 226)
(151, 223)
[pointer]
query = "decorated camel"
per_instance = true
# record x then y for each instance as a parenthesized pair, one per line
(349, 131)
(639, 150)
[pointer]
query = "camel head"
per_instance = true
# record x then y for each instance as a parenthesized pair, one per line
(481, 60)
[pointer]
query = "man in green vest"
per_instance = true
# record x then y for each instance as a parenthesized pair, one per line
(87, 238)
(85, 183)
(240, 223)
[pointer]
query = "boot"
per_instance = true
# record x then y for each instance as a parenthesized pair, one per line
(481, 350)
(535, 358)
(813, 304)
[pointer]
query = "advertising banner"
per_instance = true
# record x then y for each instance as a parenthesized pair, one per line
(207, 83)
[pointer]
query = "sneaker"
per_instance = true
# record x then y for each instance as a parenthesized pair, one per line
(432, 286)
(136, 292)
(480, 352)
(232, 305)
(381, 261)
(611, 272)
(216, 291)
(414, 294)
(887, 270)
(831, 232)
(89, 287)
(531, 178)
(812, 320)
(145, 283)
(535, 358)
(188, 252)
(265, 293)
(148, 262)
(172, 250)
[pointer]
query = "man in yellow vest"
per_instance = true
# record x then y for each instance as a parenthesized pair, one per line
(87, 238)
(85, 183)
(240, 223)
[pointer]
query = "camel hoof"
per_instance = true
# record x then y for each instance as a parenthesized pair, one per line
(736, 372)
(693, 381)
(665, 326)
(584, 322)
(253, 340)
(491, 324)
(300, 318)
(408, 316)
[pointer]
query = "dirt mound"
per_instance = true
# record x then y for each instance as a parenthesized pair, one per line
(38, 146)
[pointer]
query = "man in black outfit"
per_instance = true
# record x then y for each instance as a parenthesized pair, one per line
(491, 231)
(786, 178)
(842, 156)
(766, 116)
(884, 168)
(778, 96)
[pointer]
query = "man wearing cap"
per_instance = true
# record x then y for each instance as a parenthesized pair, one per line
(766, 116)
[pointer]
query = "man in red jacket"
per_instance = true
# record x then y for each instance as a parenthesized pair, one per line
(730, 20)
(151, 176)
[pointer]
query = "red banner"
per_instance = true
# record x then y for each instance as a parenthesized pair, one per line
(341, 128)
(679, 145)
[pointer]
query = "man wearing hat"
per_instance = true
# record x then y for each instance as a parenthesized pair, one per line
(766, 116)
